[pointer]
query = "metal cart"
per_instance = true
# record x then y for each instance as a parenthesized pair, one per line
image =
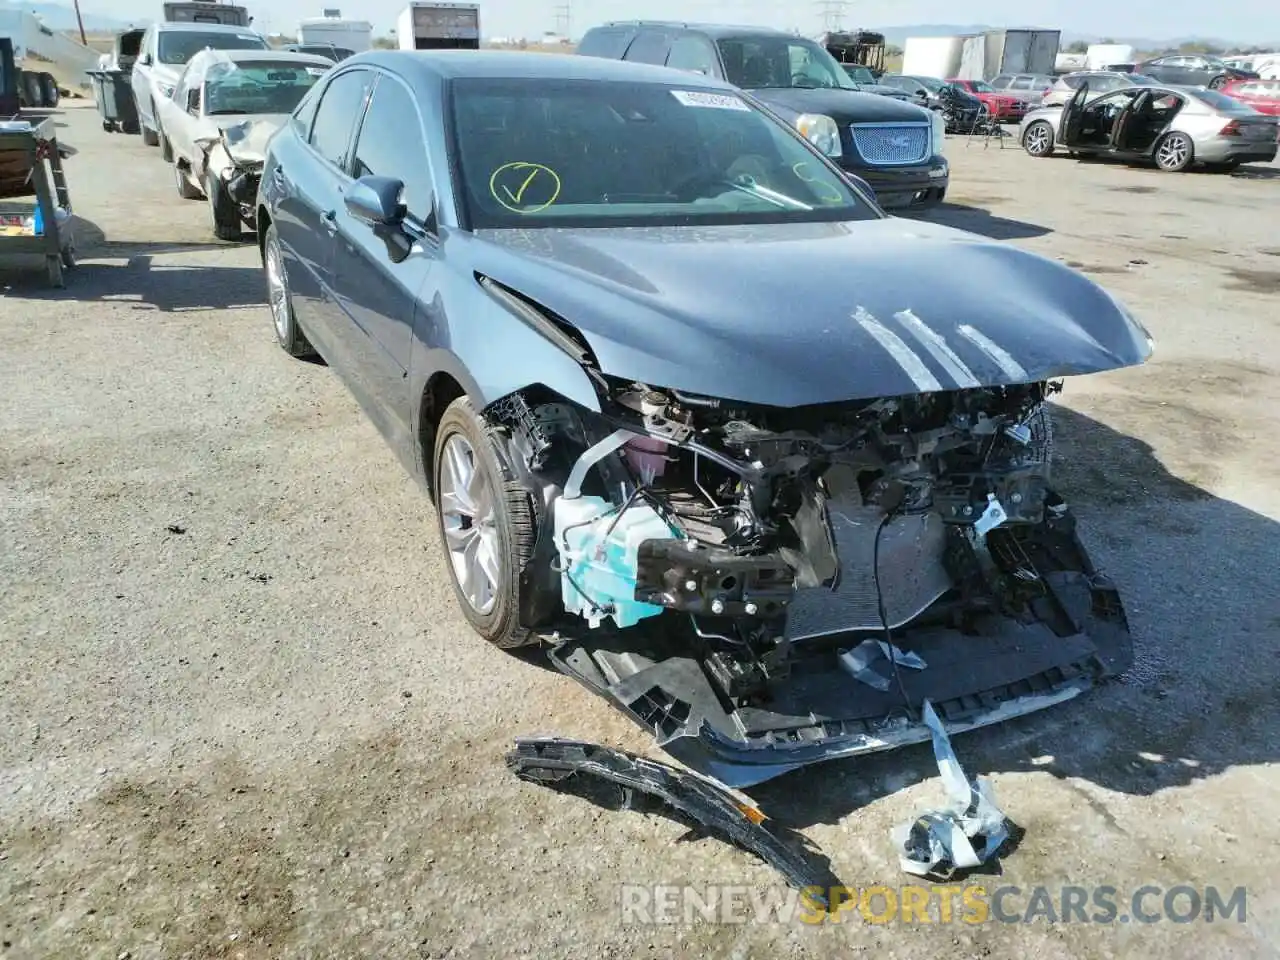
(30, 162)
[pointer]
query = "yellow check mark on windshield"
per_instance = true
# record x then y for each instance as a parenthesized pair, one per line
(515, 197)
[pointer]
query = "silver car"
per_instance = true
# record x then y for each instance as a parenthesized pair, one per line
(1028, 87)
(1099, 81)
(1173, 126)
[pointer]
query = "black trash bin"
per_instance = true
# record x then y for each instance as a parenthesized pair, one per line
(113, 89)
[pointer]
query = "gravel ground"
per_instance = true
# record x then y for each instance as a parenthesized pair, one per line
(242, 718)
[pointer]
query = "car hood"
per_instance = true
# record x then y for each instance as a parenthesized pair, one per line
(165, 73)
(797, 314)
(843, 106)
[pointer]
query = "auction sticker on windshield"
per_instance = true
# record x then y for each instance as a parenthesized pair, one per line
(716, 101)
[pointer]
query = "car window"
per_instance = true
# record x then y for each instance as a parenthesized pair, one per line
(305, 114)
(608, 42)
(391, 144)
(692, 52)
(980, 86)
(1020, 83)
(178, 46)
(1001, 82)
(1219, 101)
(336, 115)
(257, 87)
(1073, 83)
(757, 63)
(650, 47)
(552, 153)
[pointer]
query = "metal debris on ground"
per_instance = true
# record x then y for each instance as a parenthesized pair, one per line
(582, 769)
(964, 834)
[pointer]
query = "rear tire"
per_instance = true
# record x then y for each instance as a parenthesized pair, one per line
(1174, 152)
(500, 541)
(1217, 83)
(280, 299)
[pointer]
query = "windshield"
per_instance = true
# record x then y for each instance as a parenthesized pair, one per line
(538, 153)
(758, 63)
(1141, 80)
(980, 86)
(931, 84)
(178, 46)
(257, 87)
(859, 74)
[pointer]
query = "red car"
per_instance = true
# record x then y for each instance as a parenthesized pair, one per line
(1262, 95)
(1001, 106)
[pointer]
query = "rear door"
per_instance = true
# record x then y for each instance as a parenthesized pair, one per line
(1073, 116)
(309, 181)
(379, 295)
(1134, 108)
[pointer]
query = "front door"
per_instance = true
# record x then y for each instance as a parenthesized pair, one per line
(378, 294)
(1073, 116)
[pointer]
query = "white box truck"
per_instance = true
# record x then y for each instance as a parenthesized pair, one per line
(932, 56)
(439, 26)
(331, 30)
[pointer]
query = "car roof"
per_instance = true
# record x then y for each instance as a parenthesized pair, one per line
(521, 65)
(197, 26)
(715, 31)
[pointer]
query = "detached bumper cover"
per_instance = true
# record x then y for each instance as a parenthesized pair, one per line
(581, 768)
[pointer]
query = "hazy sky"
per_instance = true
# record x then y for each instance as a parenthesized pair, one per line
(1242, 20)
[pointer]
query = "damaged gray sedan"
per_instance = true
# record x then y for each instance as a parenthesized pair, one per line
(215, 126)
(695, 412)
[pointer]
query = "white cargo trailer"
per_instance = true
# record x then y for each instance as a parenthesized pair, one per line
(995, 52)
(932, 56)
(439, 26)
(331, 30)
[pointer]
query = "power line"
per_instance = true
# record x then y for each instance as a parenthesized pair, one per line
(832, 13)
(564, 19)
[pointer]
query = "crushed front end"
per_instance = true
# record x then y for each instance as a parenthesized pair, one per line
(704, 564)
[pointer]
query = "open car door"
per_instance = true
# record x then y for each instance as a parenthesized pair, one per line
(1073, 117)
(1120, 132)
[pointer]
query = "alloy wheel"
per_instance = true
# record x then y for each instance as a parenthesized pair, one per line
(1173, 152)
(278, 290)
(1038, 139)
(469, 522)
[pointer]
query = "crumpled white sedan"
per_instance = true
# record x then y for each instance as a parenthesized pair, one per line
(214, 129)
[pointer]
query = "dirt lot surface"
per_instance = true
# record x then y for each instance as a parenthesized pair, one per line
(242, 718)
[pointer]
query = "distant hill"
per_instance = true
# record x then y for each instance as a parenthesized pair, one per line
(898, 35)
(59, 16)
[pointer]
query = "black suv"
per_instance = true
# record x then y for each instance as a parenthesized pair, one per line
(895, 147)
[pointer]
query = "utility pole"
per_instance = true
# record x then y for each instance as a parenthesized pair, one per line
(564, 20)
(832, 14)
(80, 21)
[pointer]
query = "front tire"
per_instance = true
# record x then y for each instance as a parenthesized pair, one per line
(486, 524)
(1037, 139)
(1217, 83)
(280, 297)
(186, 189)
(150, 137)
(224, 213)
(1175, 152)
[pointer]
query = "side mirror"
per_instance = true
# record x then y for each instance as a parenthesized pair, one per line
(146, 60)
(376, 201)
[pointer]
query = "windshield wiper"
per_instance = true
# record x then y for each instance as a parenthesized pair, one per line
(754, 189)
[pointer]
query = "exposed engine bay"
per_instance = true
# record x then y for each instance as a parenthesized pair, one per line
(705, 563)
